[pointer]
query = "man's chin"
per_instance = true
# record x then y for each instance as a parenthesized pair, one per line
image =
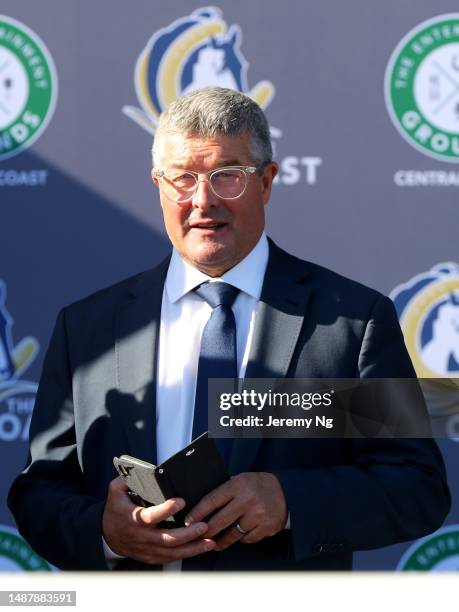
(213, 260)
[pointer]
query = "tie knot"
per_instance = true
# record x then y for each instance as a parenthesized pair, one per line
(217, 294)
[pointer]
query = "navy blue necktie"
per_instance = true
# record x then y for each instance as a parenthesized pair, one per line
(217, 357)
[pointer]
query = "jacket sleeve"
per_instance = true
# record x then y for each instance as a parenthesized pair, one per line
(387, 490)
(54, 511)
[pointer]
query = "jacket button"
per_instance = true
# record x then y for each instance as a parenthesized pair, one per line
(317, 548)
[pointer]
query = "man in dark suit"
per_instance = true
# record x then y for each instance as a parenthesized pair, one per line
(121, 372)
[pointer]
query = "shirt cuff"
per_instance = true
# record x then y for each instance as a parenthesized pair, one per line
(287, 524)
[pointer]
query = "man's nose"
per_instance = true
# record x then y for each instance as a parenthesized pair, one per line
(204, 197)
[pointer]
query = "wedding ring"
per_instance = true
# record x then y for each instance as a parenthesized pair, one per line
(239, 528)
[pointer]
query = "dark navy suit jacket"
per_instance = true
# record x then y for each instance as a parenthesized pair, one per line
(96, 399)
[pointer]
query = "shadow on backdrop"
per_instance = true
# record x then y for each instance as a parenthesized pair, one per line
(60, 243)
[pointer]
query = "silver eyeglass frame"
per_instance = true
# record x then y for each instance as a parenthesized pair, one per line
(248, 170)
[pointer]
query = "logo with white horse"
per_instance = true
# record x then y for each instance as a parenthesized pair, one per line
(193, 52)
(17, 397)
(428, 309)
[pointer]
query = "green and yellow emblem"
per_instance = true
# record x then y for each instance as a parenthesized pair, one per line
(422, 87)
(28, 87)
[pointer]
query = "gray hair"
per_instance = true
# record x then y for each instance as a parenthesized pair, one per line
(216, 110)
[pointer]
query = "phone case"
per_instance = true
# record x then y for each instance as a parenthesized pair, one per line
(191, 473)
(140, 478)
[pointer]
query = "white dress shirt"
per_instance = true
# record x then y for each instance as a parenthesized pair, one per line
(183, 317)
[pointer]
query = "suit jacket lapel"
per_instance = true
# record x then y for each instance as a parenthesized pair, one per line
(280, 317)
(279, 321)
(137, 341)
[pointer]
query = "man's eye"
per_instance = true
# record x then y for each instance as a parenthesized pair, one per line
(183, 178)
(228, 174)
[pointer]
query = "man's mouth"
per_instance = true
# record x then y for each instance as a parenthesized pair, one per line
(208, 225)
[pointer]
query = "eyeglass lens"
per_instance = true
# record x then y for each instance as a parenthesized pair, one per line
(229, 183)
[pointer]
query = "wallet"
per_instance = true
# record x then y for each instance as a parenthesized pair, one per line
(191, 473)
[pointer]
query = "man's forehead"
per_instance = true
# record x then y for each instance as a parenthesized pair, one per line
(182, 148)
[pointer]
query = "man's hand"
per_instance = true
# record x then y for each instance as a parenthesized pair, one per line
(255, 500)
(131, 531)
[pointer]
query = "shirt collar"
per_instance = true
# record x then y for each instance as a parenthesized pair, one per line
(247, 275)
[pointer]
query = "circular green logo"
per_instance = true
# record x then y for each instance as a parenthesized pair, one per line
(28, 87)
(437, 552)
(422, 87)
(17, 555)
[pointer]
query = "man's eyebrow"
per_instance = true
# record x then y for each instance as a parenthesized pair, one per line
(221, 164)
(231, 162)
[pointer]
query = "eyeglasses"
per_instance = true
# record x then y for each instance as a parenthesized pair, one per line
(226, 183)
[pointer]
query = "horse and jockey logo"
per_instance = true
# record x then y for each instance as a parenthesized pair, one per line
(428, 309)
(193, 52)
(14, 360)
(16, 396)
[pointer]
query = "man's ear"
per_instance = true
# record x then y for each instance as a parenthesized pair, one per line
(269, 173)
(153, 178)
